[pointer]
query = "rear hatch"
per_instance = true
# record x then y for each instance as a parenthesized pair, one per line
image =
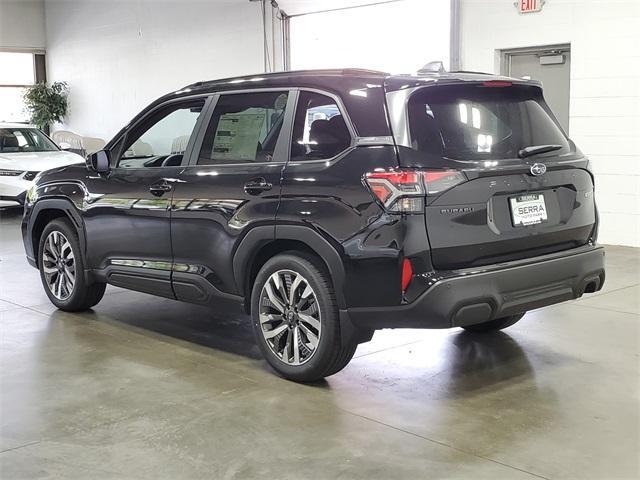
(518, 186)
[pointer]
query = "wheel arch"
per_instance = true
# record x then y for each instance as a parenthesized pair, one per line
(47, 210)
(260, 244)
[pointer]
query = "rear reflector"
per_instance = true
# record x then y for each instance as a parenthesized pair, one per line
(404, 191)
(407, 274)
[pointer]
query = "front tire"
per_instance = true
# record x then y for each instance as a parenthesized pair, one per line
(295, 318)
(494, 325)
(62, 269)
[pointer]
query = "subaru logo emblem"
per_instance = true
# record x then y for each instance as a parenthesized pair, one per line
(538, 169)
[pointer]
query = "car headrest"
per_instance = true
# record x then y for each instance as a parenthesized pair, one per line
(331, 136)
(339, 128)
(320, 131)
(9, 141)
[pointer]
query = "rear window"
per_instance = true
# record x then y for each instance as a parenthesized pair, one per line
(479, 122)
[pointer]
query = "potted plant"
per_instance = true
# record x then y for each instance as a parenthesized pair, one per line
(46, 104)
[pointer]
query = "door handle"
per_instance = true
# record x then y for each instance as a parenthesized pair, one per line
(257, 186)
(159, 189)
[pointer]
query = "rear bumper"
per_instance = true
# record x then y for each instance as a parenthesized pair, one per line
(471, 296)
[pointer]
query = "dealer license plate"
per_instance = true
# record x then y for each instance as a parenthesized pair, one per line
(528, 209)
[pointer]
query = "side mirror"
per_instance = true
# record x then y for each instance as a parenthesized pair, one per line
(98, 161)
(64, 146)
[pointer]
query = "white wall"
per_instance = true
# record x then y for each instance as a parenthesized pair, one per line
(22, 24)
(605, 87)
(118, 56)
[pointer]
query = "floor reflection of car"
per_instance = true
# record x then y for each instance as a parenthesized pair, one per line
(24, 152)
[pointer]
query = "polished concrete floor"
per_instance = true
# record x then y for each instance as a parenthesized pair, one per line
(148, 388)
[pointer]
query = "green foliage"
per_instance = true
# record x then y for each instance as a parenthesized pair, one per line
(46, 104)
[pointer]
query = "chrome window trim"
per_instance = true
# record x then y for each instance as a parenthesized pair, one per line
(327, 161)
(374, 141)
(398, 106)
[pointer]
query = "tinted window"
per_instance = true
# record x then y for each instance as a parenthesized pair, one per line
(319, 130)
(479, 122)
(244, 128)
(162, 139)
(24, 140)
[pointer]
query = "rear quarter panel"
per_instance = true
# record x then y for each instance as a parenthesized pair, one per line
(331, 198)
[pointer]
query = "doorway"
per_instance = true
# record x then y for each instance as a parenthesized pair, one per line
(549, 64)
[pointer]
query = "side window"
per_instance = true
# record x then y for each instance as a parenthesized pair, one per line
(162, 139)
(319, 130)
(22, 142)
(244, 127)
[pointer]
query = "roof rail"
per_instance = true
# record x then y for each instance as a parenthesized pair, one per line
(339, 71)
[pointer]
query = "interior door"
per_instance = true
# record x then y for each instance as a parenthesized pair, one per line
(231, 186)
(128, 218)
(553, 70)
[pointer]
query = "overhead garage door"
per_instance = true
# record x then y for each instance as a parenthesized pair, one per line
(397, 37)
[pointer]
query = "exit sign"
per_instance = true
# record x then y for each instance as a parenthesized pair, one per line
(529, 6)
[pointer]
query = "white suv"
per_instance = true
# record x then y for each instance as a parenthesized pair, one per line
(24, 152)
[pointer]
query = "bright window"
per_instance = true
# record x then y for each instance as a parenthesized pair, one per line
(396, 37)
(161, 140)
(17, 70)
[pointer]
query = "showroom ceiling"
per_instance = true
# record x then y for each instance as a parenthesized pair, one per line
(299, 7)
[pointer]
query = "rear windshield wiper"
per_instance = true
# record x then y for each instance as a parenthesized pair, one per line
(536, 149)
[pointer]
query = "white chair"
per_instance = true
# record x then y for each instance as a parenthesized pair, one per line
(179, 144)
(75, 143)
(139, 149)
(68, 141)
(92, 144)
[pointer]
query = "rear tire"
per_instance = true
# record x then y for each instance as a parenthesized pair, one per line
(298, 332)
(62, 267)
(494, 325)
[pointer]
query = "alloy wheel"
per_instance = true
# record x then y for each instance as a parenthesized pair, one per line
(58, 265)
(290, 320)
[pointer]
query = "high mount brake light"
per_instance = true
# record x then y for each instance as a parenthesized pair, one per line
(403, 191)
(496, 83)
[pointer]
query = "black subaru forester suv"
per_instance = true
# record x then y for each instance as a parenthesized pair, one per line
(329, 204)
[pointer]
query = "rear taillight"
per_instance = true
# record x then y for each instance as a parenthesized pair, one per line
(438, 181)
(403, 191)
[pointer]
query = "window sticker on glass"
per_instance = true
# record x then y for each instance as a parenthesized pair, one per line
(237, 136)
